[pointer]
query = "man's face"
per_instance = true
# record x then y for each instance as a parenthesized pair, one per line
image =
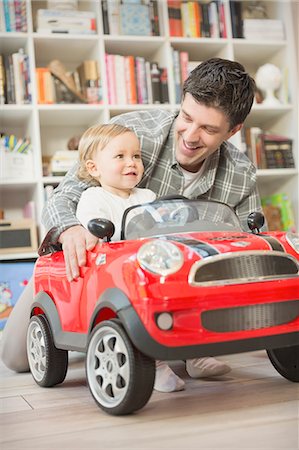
(199, 131)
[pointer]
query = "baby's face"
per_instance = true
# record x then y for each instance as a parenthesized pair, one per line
(119, 165)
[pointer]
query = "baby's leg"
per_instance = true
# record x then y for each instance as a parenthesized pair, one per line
(13, 341)
(166, 380)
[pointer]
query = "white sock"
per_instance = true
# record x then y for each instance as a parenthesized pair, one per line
(166, 380)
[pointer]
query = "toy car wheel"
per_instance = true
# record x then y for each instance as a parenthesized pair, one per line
(286, 361)
(48, 364)
(119, 376)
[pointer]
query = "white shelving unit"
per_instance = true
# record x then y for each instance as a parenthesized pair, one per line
(50, 126)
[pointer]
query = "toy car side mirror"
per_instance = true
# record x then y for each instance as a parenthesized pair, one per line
(255, 221)
(101, 228)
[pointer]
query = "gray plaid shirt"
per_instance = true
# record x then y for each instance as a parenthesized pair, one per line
(229, 176)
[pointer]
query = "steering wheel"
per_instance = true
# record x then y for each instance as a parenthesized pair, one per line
(184, 214)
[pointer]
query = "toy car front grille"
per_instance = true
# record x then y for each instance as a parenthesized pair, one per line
(237, 268)
(250, 317)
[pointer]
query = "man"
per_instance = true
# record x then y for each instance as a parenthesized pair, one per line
(184, 152)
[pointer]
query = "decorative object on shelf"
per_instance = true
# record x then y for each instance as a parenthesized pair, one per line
(73, 143)
(58, 70)
(284, 220)
(268, 78)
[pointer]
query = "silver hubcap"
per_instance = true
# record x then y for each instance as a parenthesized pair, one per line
(107, 367)
(36, 351)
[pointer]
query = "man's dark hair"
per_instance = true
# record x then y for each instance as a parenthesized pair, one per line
(224, 85)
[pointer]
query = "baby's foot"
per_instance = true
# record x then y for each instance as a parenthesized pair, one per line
(166, 380)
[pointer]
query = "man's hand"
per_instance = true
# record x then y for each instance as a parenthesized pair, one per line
(75, 241)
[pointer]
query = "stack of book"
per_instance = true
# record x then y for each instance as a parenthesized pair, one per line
(195, 19)
(13, 16)
(15, 82)
(65, 21)
(131, 17)
(133, 80)
(263, 29)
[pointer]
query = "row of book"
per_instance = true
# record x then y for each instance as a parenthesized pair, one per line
(133, 80)
(196, 19)
(15, 83)
(85, 81)
(250, 21)
(268, 151)
(13, 16)
(138, 18)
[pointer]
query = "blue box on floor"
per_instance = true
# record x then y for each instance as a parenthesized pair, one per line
(14, 276)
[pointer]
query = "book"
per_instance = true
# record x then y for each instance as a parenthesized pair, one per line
(135, 20)
(130, 80)
(263, 29)
(278, 151)
(175, 18)
(105, 17)
(164, 85)
(60, 21)
(154, 17)
(111, 79)
(177, 74)
(2, 80)
(113, 8)
(282, 202)
(236, 18)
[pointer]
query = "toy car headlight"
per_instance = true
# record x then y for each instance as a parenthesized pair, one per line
(293, 240)
(160, 257)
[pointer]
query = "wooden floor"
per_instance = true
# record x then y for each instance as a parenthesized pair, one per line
(253, 407)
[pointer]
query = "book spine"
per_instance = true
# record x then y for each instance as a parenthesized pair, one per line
(119, 67)
(110, 78)
(177, 75)
(175, 18)
(164, 85)
(141, 80)
(184, 60)
(105, 17)
(155, 78)
(154, 17)
(113, 16)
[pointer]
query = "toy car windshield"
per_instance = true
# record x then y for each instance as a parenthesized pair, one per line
(177, 215)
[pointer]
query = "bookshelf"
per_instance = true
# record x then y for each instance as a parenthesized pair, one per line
(49, 127)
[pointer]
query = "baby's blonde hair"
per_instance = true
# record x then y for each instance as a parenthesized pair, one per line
(93, 139)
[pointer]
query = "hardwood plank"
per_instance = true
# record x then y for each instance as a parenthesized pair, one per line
(252, 407)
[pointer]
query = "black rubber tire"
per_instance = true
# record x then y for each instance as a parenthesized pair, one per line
(48, 364)
(286, 362)
(119, 376)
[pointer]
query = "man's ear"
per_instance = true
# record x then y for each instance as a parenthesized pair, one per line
(235, 129)
(92, 168)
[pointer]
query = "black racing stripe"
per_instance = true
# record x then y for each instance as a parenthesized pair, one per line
(275, 244)
(201, 248)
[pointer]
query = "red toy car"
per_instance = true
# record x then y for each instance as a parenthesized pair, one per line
(185, 281)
